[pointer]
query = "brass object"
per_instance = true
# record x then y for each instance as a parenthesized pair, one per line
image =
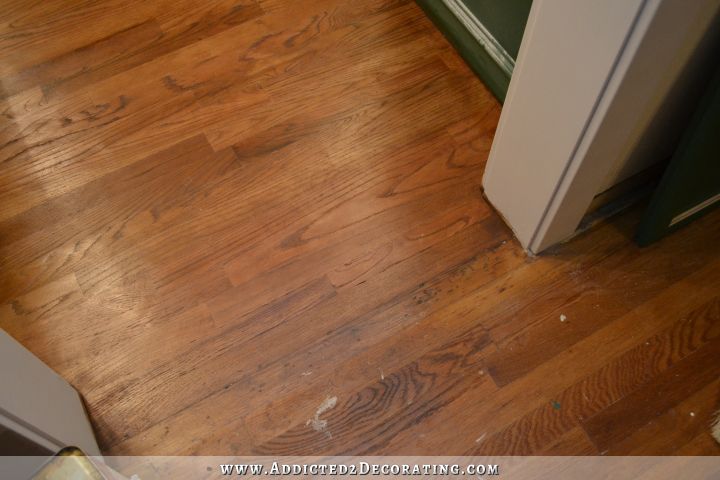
(70, 463)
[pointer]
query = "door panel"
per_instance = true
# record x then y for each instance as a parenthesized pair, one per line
(690, 186)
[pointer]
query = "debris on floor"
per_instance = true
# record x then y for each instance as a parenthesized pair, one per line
(316, 423)
(562, 317)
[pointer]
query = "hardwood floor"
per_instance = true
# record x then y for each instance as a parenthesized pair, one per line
(256, 227)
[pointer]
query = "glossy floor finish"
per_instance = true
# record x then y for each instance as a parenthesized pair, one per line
(256, 227)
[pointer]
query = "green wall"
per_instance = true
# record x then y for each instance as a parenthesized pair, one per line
(505, 19)
(692, 178)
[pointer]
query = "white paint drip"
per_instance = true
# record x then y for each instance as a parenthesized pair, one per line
(316, 423)
(715, 431)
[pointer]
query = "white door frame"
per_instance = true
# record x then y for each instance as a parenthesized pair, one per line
(38, 404)
(589, 76)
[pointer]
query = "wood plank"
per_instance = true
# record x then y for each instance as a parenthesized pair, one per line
(79, 227)
(366, 420)
(74, 64)
(375, 362)
(31, 34)
(409, 329)
(619, 378)
(337, 337)
(425, 319)
(678, 426)
(635, 410)
(593, 299)
(178, 386)
(84, 139)
(58, 34)
(537, 392)
(573, 443)
(702, 445)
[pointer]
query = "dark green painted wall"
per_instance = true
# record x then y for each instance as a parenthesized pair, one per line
(505, 19)
(693, 174)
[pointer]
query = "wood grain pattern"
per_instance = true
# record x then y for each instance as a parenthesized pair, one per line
(605, 387)
(654, 398)
(675, 428)
(592, 299)
(215, 216)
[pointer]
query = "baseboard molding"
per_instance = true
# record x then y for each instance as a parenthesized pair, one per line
(482, 35)
(473, 45)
